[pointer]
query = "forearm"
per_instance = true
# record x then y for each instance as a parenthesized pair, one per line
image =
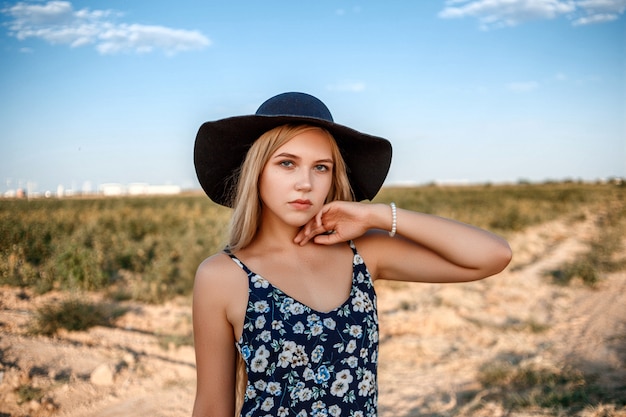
(462, 244)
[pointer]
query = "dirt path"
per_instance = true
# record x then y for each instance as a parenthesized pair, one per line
(434, 341)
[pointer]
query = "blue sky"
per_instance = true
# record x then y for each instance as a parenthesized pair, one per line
(476, 90)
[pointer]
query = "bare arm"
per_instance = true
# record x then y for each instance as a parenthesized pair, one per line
(428, 248)
(214, 343)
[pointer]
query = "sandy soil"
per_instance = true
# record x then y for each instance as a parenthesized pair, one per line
(434, 341)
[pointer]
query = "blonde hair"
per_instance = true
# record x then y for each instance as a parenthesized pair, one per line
(247, 203)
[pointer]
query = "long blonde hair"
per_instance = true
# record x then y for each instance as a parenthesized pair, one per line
(247, 207)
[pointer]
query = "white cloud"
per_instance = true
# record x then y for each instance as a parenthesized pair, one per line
(505, 13)
(142, 38)
(599, 11)
(603, 6)
(595, 18)
(57, 23)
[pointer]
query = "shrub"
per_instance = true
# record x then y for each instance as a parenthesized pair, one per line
(74, 315)
(530, 386)
(147, 248)
(26, 393)
(79, 268)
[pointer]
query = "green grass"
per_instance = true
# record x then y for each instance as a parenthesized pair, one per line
(507, 208)
(145, 249)
(148, 248)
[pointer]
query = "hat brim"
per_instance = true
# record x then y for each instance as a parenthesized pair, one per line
(221, 146)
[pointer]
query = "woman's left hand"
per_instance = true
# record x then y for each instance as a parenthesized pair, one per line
(340, 221)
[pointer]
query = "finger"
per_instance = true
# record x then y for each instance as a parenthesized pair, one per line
(319, 217)
(304, 235)
(300, 236)
(323, 239)
(308, 232)
(305, 231)
(327, 238)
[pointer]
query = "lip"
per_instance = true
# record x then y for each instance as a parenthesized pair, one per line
(301, 204)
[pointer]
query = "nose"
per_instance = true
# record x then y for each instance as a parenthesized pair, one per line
(304, 181)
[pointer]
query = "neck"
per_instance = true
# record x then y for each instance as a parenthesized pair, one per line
(275, 236)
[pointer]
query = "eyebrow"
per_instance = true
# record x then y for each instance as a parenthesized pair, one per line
(292, 156)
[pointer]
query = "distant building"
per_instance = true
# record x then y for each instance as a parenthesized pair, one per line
(138, 188)
(111, 189)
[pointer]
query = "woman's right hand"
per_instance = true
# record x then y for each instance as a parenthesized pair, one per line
(340, 221)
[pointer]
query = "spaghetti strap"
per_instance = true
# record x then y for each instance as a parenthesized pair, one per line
(238, 261)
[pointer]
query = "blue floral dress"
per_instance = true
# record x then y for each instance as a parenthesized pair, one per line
(302, 362)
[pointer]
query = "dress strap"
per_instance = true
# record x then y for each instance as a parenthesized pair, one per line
(353, 247)
(237, 261)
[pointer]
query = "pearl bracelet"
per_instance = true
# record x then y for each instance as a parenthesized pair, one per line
(394, 219)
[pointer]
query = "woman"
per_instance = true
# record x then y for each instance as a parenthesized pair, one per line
(287, 312)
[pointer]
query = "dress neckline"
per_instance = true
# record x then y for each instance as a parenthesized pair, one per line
(251, 273)
(312, 309)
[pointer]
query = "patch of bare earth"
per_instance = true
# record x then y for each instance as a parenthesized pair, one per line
(126, 370)
(434, 341)
(436, 338)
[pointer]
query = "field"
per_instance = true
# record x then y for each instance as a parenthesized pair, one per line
(95, 313)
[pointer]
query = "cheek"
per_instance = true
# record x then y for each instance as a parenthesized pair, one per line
(268, 184)
(324, 184)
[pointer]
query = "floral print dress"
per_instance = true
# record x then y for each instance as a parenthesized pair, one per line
(302, 362)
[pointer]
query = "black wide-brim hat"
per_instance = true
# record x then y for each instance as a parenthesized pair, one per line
(221, 146)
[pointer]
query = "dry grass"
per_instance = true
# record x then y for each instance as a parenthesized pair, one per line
(95, 279)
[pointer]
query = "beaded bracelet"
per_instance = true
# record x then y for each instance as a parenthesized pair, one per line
(394, 219)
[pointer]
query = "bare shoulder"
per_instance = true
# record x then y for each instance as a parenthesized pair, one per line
(218, 278)
(215, 267)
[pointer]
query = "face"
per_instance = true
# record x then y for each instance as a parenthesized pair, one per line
(297, 178)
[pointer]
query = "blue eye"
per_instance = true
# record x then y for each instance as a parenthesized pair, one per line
(286, 163)
(322, 168)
